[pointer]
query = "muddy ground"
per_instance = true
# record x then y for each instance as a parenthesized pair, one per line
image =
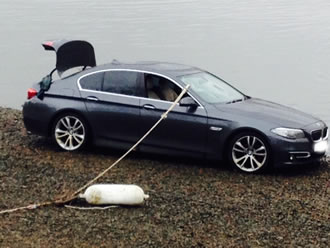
(192, 203)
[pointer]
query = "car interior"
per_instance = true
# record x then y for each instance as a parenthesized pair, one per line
(160, 88)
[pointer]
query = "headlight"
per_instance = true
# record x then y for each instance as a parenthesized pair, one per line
(289, 133)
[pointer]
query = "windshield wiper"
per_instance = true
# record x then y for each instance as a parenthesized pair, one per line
(236, 100)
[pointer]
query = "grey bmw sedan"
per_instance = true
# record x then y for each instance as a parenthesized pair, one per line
(115, 104)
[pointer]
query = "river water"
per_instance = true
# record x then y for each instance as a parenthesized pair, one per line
(277, 50)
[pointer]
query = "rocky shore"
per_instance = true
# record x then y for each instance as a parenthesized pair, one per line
(191, 204)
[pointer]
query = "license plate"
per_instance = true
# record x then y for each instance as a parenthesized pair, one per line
(321, 146)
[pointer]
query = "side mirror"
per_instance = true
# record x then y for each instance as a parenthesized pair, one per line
(188, 102)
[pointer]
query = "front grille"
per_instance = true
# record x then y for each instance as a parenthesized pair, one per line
(325, 132)
(317, 134)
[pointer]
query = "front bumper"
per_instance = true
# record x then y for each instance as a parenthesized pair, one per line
(302, 151)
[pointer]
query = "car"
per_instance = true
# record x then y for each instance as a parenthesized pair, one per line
(117, 103)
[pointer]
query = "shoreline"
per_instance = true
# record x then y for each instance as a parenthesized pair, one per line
(192, 203)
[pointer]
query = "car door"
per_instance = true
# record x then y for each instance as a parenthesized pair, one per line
(112, 105)
(184, 131)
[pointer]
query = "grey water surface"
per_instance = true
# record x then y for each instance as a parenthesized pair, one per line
(277, 50)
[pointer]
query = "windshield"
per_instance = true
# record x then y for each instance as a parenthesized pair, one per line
(212, 89)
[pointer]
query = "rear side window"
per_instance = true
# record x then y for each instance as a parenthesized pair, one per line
(121, 82)
(92, 82)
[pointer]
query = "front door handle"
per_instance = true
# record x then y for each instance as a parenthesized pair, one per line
(92, 98)
(149, 106)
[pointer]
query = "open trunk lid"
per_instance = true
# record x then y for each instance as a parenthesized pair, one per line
(71, 53)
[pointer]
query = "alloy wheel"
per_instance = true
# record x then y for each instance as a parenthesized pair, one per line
(70, 133)
(249, 153)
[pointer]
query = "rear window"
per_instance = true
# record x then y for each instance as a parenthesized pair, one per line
(121, 82)
(92, 81)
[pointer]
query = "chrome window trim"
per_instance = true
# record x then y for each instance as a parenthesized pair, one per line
(138, 97)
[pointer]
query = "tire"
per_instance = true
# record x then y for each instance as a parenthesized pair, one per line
(70, 132)
(249, 152)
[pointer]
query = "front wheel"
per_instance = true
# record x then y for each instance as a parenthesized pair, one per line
(70, 132)
(249, 152)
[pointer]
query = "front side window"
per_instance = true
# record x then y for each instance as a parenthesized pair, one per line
(160, 88)
(121, 82)
(211, 89)
(93, 81)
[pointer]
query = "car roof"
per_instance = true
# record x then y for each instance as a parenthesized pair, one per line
(164, 68)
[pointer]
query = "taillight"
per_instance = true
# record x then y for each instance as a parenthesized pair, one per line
(31, 93)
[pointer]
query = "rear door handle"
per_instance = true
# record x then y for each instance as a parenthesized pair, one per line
(92, 98)
(149, 106)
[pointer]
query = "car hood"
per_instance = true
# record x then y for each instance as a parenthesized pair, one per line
(268, 111)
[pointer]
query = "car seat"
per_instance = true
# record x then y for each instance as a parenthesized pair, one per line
(167, 93)
(150, 89)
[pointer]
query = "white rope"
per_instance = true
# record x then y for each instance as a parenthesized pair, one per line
(90, 208)
(163, 116)
(29, 207)
(65, 199)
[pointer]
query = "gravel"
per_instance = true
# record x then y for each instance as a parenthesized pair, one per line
(193, 203)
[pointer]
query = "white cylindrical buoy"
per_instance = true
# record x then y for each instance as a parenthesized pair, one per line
(118, 194)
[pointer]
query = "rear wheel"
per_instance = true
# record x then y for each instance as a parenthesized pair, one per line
(249, 152)
(70, 132)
